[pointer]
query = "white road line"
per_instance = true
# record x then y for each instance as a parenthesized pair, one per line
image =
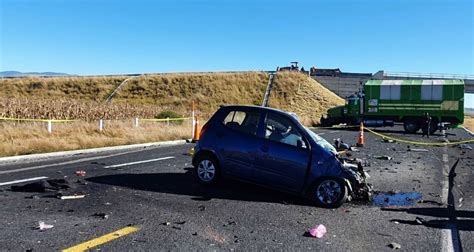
(22, 180)
(138, 162)
(320, 134)
(446, 233)
(67, 162)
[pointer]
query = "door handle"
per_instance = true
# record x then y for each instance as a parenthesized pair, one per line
(264, 148)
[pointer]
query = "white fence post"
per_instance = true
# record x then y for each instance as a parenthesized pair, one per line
(101, 124)
(50, 127)
(136, 122)
(192, 115)
(168, 120)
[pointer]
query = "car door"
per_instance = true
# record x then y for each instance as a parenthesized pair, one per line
(283, 154)
(237, 143)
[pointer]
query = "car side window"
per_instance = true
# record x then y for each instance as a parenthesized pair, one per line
(242, 121)
(280, 129)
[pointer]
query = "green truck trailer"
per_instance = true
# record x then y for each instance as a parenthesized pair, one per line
(386, 102)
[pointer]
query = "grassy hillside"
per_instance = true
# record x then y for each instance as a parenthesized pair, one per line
(469, 122)
(145, 96)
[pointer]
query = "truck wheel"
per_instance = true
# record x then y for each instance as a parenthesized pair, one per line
(329, 193)
(411, 126)
(433, 127)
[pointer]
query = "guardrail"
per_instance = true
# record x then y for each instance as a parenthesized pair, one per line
(101, 122)
(429, 75)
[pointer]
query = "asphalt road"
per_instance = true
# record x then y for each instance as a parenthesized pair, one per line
(160, 196)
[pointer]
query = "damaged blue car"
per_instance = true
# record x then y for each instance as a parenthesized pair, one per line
(271, 148)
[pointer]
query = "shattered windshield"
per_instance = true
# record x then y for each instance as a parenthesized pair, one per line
(321, 141)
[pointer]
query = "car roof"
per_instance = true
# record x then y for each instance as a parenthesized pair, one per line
(253, 107)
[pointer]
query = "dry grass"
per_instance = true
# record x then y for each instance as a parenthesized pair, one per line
(41, 108)
(469, 122)
(29, 138)
(83, 98)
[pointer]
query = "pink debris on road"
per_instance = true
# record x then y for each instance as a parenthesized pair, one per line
(319, 231)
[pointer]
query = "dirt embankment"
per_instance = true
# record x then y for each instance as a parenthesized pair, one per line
(145, 96)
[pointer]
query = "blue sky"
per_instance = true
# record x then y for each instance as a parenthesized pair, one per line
(111, 37)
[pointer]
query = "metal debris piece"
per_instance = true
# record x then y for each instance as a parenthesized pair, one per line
(419, 150)
(101, 215)
(394, 245)
(466, 147)
(68, 197)
(44, 226)
(80, 173)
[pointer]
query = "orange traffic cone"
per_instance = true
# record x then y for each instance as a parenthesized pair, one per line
(361, 135)
(196, 130)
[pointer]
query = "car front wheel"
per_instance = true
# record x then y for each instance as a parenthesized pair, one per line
(329, 193)
(207, 169)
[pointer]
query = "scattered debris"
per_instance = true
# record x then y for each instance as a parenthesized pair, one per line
(340, 145)
(431, 202)
(180, 222)
(388, 140)
(202, 208)
(44, 226)
(107, 204)
(80, 173)
(43, 186)
(396, 199)
(394, 245)
(318, 231)
(166, 223)
(383, 157)
(465, 147)
(101, 215)
(75, 196)
(418, 150)
(353, 149)
(419, 220)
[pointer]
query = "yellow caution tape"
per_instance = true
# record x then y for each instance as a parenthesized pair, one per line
(165, 119)
(416, 142)
(35, 120)
(337, 127)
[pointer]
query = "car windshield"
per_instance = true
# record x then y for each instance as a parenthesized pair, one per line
(321, 141)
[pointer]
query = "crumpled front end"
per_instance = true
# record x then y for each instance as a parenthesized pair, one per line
(353, 172)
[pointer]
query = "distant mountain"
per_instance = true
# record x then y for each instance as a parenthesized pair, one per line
(21, 74)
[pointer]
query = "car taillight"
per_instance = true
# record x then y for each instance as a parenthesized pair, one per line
(203, 129)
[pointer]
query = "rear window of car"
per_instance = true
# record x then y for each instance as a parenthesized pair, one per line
(242, 121)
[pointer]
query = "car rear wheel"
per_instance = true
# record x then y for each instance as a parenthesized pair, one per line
(207, 169)
(330, 193)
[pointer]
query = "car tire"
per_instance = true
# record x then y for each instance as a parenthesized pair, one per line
(207, 169)
(329, 192)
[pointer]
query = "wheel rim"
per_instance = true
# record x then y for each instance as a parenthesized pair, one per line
(328, 191)
(206, 170)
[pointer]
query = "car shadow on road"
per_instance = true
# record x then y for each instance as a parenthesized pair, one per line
(187, 184)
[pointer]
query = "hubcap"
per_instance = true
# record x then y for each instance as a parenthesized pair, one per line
(328, 191)
(206, 170)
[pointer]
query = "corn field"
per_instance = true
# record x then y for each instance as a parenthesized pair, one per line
(74, 109)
